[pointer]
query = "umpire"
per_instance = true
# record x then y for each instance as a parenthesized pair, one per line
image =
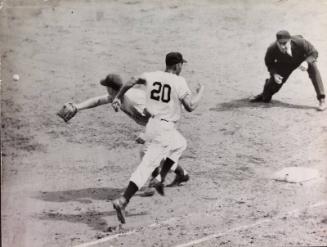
(285, 55)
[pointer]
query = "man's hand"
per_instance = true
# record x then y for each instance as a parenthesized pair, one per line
(116, 103)
(199, 88)
(278, 78)
(304, 66)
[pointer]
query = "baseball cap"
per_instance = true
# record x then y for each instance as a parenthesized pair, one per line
(173, 58)
(283, 35)
(113, 81)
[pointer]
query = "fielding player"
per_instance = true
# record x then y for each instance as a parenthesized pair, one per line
(133, 104)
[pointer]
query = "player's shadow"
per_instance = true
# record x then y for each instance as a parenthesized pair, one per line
(245, 103)
(93, 219)
(81, 195)
(84, 196)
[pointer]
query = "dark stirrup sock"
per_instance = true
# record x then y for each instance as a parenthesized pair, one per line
(165, 168)
(130, 191)
(155, 172)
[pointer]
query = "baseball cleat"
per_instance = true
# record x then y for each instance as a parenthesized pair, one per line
(119, 205)
(257, 98)
(158, 185)
(322, 105)
(147, 192)
(179, 179)
(160, 188)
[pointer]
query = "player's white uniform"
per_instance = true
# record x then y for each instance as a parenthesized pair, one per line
(164, 92)
(133, 104)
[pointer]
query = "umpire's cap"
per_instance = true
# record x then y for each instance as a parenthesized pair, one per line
(173, 58)
(283, 35)
(113, 81)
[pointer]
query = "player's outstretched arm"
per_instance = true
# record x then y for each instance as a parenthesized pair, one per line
(70, 109)
(94, 102)
(191, 102)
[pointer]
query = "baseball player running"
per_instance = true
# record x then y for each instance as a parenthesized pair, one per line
(133, 104)
(166, 92)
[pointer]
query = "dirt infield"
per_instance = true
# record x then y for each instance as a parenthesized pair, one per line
(58, 179)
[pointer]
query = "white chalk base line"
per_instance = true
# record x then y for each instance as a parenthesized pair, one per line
(209, 237)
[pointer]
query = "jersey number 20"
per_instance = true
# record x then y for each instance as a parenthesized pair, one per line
(161, 92)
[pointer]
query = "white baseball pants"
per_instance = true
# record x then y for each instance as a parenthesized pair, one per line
(162, 140)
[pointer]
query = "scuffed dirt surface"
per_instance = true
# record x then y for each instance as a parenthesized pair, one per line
(58, 179)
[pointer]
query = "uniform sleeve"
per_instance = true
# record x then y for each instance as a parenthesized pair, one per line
(311, 54)
(183, 89)
(270, 59)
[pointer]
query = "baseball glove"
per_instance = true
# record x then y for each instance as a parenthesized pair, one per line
(67, 111)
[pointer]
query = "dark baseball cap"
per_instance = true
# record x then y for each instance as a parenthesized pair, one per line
(173, 58)
(283, 35)
(113, 81)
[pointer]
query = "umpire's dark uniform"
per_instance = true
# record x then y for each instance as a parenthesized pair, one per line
(284, 64)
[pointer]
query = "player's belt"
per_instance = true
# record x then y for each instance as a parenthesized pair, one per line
(165, 120)
(162, 119)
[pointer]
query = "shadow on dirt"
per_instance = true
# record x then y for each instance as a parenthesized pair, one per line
(82, 195)
(93, 219)
(245, 103)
